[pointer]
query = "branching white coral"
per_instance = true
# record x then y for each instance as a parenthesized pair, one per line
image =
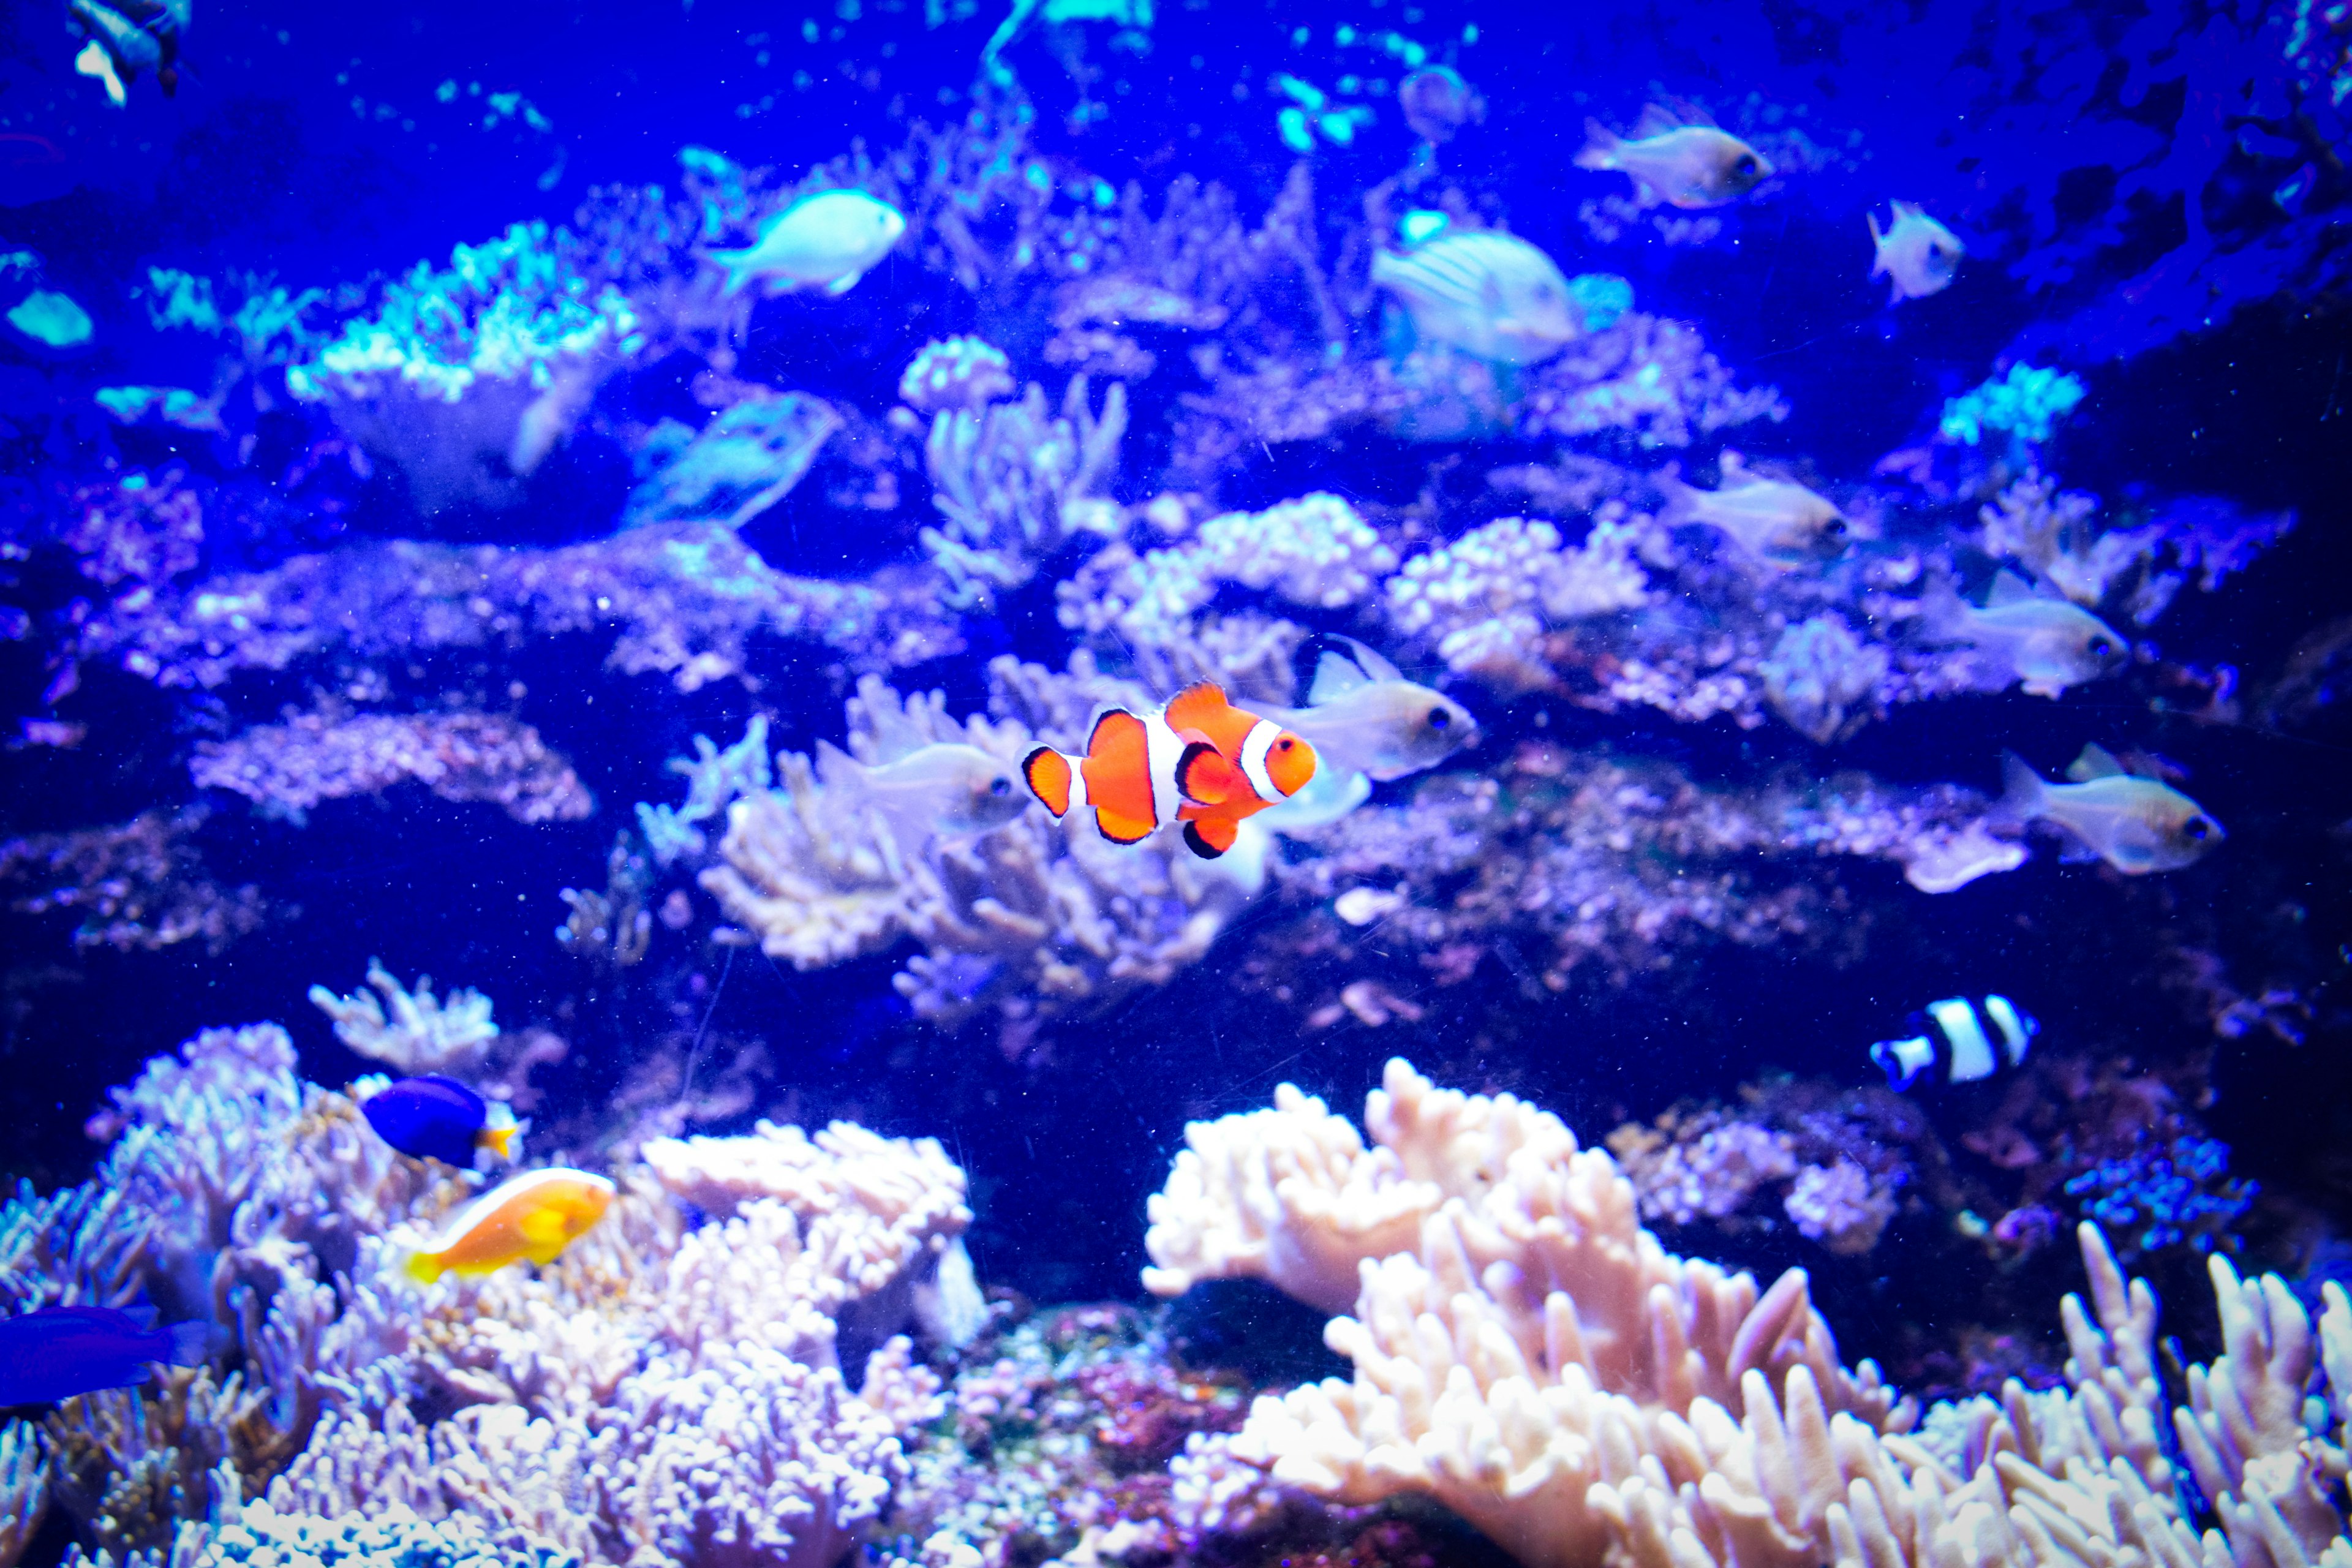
(421, 1033)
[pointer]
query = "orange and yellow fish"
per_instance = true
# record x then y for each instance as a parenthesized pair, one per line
(1201, 761)
(536, 1215)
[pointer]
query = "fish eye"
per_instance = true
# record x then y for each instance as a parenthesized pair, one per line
(1439, 718)
(1747, 164)
(2197, 829)
(1286, 744)
(1000, 785)
(1835, 527)
(2103, 647)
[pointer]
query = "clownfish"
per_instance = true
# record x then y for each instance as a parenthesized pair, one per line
(1200, 762)
(536, 1215)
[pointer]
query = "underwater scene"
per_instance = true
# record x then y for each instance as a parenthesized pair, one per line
(1176, 783)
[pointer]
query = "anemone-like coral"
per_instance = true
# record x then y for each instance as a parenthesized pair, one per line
(421, 1033)
(135, 885)
(1518, 1363)
(1013, 485)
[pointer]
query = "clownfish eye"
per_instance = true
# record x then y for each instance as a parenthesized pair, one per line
(1439, 718)
(2196, 829)
(1285, 744)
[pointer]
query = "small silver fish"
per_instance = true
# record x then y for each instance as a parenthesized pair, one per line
(1364, 716)
(1491, 295)
(1776, 520)
(2136, 825)
(1918, 255)
(1688, 166)
(827, 240)
(2048, 644)
(946, 790)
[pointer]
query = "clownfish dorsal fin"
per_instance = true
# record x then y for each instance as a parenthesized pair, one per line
(2009, 588)
(1197, 707)
(2095, 762)
(1204, 777)
(1211, 837)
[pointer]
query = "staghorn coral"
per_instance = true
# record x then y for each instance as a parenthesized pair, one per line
(1014, 486)
(683, 599)
(288, 768)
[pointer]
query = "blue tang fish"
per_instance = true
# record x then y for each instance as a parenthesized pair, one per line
(56, 1352)
(441, 1119)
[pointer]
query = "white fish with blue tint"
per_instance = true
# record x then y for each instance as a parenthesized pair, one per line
(1364, 716)
(1960, 1041)
(828, 240)
(1919, 256)
(944, 790)
(2136, 825)
(1491, 295)
(1685, 165)
(2049, 643)
(1774, 520)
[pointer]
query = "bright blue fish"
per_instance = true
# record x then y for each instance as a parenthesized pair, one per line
(58, 1351)
(441, 1119)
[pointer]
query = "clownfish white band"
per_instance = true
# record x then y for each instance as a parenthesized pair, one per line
(1254, 747)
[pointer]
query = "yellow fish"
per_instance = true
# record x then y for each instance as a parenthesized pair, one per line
(536, 1215)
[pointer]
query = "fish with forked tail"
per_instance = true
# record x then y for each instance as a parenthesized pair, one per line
(1776, 520)
(2048, 644)
(56, 1352)
(1685, 165)
(2136, 825)
(1919, 256)
(536, 1215)
(827, 240)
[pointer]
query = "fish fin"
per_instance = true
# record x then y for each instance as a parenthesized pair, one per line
(1877, 241)
(186, 1342)
(1048, 774)
(143, 1314)
(1894, 294)
(423, 1266)
(1342, 665)
(2095, 762)
(2009, 588)
(1735, 474)
(843, 284)
(1656, 120)
(1196, 707)
(1204, 777)
(1680, 499)
(2023, 795)
(1905, 209)
(501, 1135)
(736, 265)
(837, 768)
(1121, 829)
(1600, 147)
(1212, 836)
(542, 1227)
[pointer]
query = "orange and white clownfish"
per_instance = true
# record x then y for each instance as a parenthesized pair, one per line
(1201, 761)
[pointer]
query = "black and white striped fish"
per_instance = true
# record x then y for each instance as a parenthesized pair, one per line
(1960, 1041)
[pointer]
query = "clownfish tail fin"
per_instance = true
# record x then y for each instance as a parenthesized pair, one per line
(1048, 774)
